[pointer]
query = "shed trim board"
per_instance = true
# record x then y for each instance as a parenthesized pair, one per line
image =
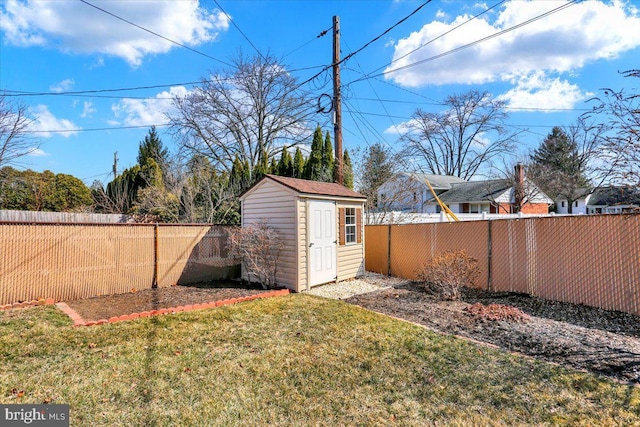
(289, 211)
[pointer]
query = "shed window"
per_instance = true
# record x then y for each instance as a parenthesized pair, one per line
(350, 225)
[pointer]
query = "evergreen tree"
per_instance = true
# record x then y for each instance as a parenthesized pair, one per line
(347, 170)
(557, 167)
(238, 177)
(328, 160)
(313, 167)
(377, 168)
(273, 166)
(285, 165)
(298, 166)
(261, 168)
(152, 148)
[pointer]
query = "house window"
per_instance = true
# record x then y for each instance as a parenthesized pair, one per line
(478, 208)
(350, 225)
(576, 204)
(563, 203)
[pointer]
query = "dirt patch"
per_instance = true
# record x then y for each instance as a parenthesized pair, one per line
(104, 307)
(582, 337)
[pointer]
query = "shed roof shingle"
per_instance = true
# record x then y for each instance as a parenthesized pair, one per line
(315, 187)
(476, 191)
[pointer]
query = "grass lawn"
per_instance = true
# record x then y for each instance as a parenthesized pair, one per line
(296, 360)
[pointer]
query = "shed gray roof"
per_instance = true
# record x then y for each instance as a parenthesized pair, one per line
(476, 191)
(438, 182)
(305, 186)
(611, 196)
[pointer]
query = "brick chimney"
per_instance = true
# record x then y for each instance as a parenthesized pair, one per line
(519, 188)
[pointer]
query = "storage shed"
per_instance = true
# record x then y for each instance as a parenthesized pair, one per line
(321, 224)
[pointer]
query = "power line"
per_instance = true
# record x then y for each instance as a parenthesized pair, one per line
(459, 48)
(79, 93)
(349, 56)
(398, 101)
(322, 34)
(233, 22)
(385, 31)
(97, 129)
(438, 37)
(155, 34)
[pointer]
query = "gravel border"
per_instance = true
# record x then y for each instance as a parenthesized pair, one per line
(368, 282)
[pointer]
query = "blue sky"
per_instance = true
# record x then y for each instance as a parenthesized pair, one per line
(545, 70)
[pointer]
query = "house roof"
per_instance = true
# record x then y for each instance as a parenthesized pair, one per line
(610, 196)
(438, 182)
(314, 187)
(476, 191)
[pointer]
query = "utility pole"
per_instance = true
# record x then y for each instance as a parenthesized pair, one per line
(337, 105)
(115, 165)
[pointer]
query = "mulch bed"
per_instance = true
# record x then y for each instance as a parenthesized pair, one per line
(104, 307)
(582, 337)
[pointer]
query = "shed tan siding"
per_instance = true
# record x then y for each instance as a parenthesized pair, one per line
(351, 256)
(302, 244)
(277, 205)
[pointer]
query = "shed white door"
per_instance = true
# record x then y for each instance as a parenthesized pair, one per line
(322, 242)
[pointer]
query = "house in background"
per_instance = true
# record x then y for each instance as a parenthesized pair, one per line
(498, 196)
(409, 192)
(602, 200)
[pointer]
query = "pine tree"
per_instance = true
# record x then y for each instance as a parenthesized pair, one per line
(377, 168)
(285, 165)
(237, 179)
(298, 166)
(347, 170)
(273, 166)
(313, 167)
(328, 160)
(152, 148)
(557, 167)
(261, 168)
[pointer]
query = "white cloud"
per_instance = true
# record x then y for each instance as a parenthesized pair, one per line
(562, 42)
(88, 109)
(79, 28)
(401, 129)
(46, 124)
(543, 92)
(146, 112)
(36, 152)
(63, 86)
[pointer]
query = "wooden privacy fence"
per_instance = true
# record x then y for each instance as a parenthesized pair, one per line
(72, 261)
(592, 260)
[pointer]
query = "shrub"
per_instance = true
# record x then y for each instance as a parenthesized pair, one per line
(258, 246)
(495, 312)
(447, 272)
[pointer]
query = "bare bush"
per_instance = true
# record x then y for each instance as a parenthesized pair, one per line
(258, 246)
(496, 312)
(448, 272)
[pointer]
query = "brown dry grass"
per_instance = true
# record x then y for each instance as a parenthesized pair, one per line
(296, 360)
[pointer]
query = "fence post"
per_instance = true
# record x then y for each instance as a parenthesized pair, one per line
(489, 256)
(389, 250)
(154, 284)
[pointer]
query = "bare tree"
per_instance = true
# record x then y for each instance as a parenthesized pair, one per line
(259, 246)
(468, 135)
(15, 140)
(251, 111)
(620, 115)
